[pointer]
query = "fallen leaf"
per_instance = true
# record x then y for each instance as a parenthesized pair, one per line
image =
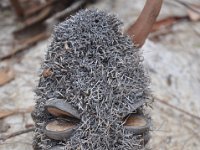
(194, 16)
(47, 72)
(6, 75)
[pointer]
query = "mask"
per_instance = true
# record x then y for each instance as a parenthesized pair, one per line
(92, 89)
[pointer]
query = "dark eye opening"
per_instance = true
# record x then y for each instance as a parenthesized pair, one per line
(96, 20)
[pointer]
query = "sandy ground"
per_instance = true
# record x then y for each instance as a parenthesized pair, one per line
(173, 64)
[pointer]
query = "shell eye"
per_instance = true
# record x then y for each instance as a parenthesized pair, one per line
(96, 20)
(57, 112)
(136, 123)
(60, 108)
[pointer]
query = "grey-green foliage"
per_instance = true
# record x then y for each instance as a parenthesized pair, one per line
(101, 75)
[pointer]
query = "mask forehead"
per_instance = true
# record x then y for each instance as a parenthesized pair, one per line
(97, 70)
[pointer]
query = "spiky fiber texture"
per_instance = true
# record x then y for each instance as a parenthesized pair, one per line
(101, 75)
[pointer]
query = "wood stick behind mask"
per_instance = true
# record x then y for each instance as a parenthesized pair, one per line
(140, 30)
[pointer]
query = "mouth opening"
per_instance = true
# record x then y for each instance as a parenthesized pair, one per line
(59, 129)
(59, 125)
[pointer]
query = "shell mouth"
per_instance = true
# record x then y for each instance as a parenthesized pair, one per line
(136, 123)
(59, 129)
(59, 125)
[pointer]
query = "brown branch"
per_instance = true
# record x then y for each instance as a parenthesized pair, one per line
(167, 22)
(178, 109)
(5, 137)
(143, 25)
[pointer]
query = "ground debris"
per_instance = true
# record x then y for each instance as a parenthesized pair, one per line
(6, 75)
(6, 113)
(17, 133)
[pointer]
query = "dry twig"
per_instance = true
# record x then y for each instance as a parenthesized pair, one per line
(178, 109)
(5, 137)
(166, 22)
(6, 113)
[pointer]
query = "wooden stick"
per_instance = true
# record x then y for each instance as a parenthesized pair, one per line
(9, 112)
(5, 137)
(143, 25)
